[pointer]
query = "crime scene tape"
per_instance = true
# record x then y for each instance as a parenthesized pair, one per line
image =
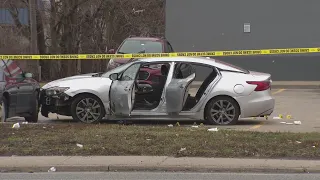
(175, 54)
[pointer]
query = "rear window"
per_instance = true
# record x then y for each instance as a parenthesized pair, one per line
(231, 67)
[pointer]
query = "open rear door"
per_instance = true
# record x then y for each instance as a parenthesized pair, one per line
(177, 90)
(122, 91)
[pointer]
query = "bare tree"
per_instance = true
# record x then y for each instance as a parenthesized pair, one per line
(87, 26)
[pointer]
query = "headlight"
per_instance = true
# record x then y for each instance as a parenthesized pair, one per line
(55, 90)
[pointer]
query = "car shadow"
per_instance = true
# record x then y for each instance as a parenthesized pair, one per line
(241, 122)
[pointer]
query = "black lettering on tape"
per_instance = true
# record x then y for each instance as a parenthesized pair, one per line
(27, 57)
(226, 53)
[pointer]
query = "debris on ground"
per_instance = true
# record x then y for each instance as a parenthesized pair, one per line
(170, 125)
(24, 122)
(298, 142)
(297, 122)
(182, 149)
(289, 123)
(16, 126)
(213, 129)
(277, 118)
(195, 126)
(52, 169)
(148, 139)
(80, 145)
(283, 122)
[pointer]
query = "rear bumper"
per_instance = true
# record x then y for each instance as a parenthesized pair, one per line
(257, 104)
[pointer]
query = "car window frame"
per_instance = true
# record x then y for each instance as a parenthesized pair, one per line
(178, 66)
(170, 47)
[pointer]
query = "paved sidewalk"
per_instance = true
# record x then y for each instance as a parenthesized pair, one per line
(153, 163)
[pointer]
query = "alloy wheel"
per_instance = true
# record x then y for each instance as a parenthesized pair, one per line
(88, 110)
(222, 112)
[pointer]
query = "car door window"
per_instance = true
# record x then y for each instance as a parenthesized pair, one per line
(183, 71)
(130, 73)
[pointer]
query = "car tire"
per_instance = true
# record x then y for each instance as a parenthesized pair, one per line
(227, 114)
(87, 108)
(4, 110)
(34, 114)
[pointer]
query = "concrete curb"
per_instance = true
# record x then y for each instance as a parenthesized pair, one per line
(279, 86)
(125, 168)
(154, 163)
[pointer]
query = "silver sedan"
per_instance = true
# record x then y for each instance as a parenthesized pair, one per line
(159, 88)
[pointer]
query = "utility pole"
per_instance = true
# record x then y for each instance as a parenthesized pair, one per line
(33, 32)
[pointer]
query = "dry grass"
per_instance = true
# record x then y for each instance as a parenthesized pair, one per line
(105, 139)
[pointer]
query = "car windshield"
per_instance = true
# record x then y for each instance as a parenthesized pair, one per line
(132, 46)
(118, 69)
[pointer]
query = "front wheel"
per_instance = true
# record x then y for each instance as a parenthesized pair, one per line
(87, 109)
(222, 111)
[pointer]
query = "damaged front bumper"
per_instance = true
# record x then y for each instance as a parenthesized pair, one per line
(57, 103)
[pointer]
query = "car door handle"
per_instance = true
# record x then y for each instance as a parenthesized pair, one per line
(126, 89)
(181, 86)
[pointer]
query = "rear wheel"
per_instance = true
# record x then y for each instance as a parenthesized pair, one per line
(87, 109)
(4, 110)
(33, 118)
(222, 110)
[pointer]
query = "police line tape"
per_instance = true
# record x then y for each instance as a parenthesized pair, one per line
(175, 54)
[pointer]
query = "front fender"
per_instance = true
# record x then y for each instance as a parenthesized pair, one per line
(103, 97)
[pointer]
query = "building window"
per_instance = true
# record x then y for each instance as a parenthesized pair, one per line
(6, 18)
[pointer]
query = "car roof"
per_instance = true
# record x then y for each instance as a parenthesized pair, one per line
(201, 60)
(146, 38)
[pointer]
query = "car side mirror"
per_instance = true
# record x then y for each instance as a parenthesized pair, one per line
(28, 75)
(114, 76)
(111, 51)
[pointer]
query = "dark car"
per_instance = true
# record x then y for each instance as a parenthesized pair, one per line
(19, 92)
(135, 45)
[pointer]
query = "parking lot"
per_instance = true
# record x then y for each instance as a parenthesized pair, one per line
(301, 104)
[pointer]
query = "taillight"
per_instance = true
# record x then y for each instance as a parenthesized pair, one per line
(261, 85)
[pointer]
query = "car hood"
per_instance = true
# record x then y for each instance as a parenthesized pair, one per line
(122, 60)
(70, 79)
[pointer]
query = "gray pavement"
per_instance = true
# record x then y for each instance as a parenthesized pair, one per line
(153, 163)
(157, 176)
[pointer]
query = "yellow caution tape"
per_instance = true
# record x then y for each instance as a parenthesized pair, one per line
(175, 54)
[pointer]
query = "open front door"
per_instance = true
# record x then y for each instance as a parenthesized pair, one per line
(177, 90)
(122, 91)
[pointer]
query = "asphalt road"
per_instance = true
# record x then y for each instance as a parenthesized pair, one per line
(156, 176)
